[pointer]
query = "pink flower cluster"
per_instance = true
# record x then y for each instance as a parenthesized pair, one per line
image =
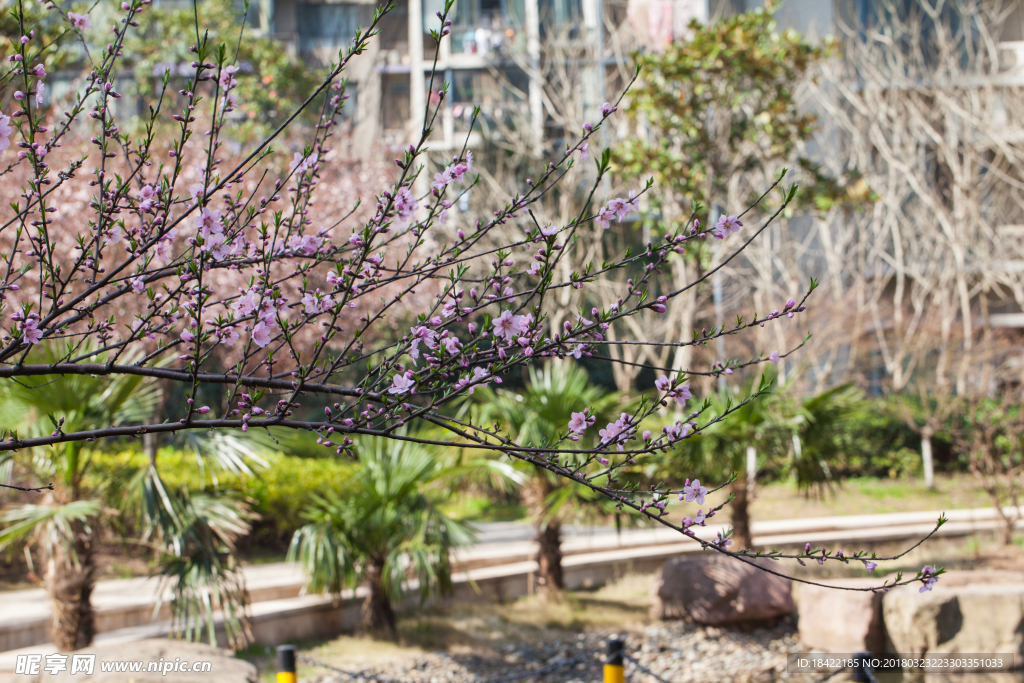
(681, 393)
(725, 226)
(28, 326)
(618, 209)
(454, 172)
(578, 423)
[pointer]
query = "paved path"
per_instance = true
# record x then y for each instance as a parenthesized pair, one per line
(125, 606)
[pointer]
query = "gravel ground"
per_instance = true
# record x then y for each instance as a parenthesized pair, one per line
(675, 651)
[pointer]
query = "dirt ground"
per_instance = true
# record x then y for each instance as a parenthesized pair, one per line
(447, 642)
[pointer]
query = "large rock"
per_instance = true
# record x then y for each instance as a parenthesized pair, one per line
(965, 612)
(225, 668)
(836, 620)
(717, 590)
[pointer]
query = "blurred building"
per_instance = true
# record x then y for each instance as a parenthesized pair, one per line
(496, 45)
(493, 58)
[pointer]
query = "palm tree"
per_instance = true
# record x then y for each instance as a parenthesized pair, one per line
(192, 535)
(802, 435)
(724, 449)
(820, 434)
(383, 527)
(536, 416)
(62, 527)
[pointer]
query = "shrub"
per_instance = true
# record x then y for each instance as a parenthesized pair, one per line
(278, 492)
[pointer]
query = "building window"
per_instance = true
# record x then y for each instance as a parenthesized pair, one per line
(328, 26)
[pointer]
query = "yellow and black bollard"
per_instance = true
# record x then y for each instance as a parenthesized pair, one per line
(613, 669)
(286, 664)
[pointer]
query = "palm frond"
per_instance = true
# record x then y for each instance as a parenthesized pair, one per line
(50, 526)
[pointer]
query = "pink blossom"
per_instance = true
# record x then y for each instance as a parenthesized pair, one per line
(585, 151)
(405, 204)
(227, 79)
(535, 268)
(442, 180)
(458, 171)
(682, 393)
(209, 223)
(578, 423)
(187, 336)
(509, 326)
(138, 285)
(40, 93)
(162, 250)
(928, 578)
(620, 207)
(607, 108)
(480, 377)
(774, 356)
(677, 431)
(5, 132)
(694, 492)
(79, 21)
(261, 334)
(304, 244)
(268, 312)
(147, 194)
(549, 230)
(30, 331)
(663, 383)
(870, 566)
(314, 303)
(39, 70)
(215, 244)
(700, 517)
(618, 432)
(228, 336)
(246, 303)
(402, 384)
(301, 164)
(725, 226)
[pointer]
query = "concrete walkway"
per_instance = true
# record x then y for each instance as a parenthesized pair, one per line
(125, 607)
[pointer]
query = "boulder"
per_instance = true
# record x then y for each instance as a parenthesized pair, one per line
(965, 612)
(225, 667)
(717, 590)
(835, 620)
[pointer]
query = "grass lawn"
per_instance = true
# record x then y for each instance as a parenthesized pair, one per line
(863, 496)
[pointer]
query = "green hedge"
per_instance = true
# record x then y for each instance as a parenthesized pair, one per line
(279, 491)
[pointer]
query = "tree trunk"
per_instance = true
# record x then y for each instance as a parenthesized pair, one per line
(751, 471)
(549, 556)
(69, 581)
(377, 617)
(549, 534)
(740, 514)
(926, 459)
